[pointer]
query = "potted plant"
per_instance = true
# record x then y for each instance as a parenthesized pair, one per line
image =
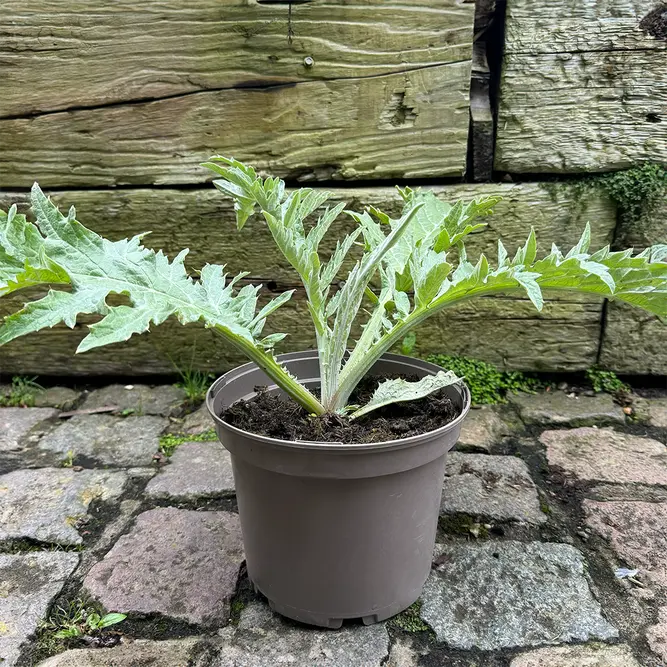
(338, 492)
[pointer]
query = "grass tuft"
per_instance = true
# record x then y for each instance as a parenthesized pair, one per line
(195, 384)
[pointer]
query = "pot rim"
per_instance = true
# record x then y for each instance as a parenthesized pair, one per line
(398, 443)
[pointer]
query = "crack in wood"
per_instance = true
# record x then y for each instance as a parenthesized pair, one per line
(257, 85)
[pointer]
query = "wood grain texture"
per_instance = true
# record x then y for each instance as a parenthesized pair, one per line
(635, 341)
(405, 125)
(584, 87)
(57, 55)
(507, 331)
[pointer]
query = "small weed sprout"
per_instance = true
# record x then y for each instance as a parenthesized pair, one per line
(77, 619)
(195, 384)
(22, 392)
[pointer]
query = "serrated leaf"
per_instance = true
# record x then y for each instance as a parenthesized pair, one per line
(529, 283)
(268, 342)
(156, 287)
(399, 391)
(23, 262)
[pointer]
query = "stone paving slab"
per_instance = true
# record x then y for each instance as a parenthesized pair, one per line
(45, 504)
(162, 401)
(179, 563)
(62, 398)
(17, 423)
(507, 594)
(636, 531)
(28, 584)
(497, 487)
(578, 656)
(111, 441)
(403, 654)
(263, 639)
(605, 455)
(196, 470)
(140, 653)
(481, 429)
(608, 491)
(559, 408)
(197, 422)
(656, 635)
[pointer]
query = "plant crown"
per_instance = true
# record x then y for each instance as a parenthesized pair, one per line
(411, 268)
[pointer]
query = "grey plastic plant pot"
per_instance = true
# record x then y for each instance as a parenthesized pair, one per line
(335, 531)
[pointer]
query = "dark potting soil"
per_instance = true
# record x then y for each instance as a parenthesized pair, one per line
(275, 417)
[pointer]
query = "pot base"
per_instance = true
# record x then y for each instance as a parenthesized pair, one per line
(336, 531)
(309, 618)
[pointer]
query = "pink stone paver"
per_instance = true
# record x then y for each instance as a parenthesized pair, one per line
(604, 455)
(636, 531)
(657, 635)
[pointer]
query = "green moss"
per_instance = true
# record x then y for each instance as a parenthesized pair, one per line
(462, 524)
(487, 383)
(170, 442)
(606, 381)
(237, 606)
(636, 191)
(544, 506)
(24, 545)
(409, 619)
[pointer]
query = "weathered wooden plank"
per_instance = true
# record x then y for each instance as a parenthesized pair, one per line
(203, 220)
(579, 25)
(56, 55)
(508, 331)
(584, 87)
(634, 341)
(412, 124)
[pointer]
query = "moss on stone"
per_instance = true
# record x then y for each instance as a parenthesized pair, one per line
(462, 524)
(170, 442)
(409, 620)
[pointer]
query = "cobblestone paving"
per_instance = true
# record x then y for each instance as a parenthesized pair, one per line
(550, 550)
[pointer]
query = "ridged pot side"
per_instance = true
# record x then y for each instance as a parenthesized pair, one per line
(335, 531)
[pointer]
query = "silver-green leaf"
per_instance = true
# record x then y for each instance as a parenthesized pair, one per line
(399, 391)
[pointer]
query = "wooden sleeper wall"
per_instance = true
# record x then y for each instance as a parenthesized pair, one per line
(99, 95)
(508, 331)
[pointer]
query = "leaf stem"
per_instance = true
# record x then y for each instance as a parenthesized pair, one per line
(278, 373)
